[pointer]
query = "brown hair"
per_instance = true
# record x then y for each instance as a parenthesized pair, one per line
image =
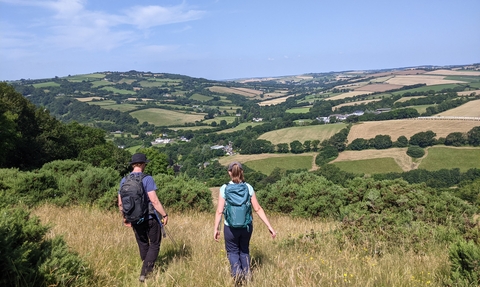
(236, 173)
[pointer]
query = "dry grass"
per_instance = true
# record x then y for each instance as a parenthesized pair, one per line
(273, 102)
(302, 133)
(239, 91)
(408, 128)
(429, 80)
(469, 109)
(453, 73)
(193, 258)
(378, 87)
(467, 93)
(356, 103)
(348, 95)
(399, 155)
(88, 99)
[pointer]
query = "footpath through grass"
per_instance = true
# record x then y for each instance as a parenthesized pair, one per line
(305, 253)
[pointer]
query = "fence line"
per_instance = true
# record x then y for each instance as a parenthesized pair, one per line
(450, 118)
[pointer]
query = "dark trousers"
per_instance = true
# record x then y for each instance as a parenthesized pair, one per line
(237, 243)
(148, 240)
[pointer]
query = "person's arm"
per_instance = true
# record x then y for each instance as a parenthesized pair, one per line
(218, 217)
(259, 210)
(152, 195)
(120, 207)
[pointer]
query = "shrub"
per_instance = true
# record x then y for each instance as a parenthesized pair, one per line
(415, 152)
(182, 193)
(303, 194)
(465, 263)
(327, 154)
(30, 259)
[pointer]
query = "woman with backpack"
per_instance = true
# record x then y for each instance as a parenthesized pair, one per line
(236, 200)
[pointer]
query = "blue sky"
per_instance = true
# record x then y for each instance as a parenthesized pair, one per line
(228, 39)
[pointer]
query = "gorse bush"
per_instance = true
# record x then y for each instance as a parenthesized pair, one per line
(465, 263)
(304, 194)
(30, 259)
(182, 193)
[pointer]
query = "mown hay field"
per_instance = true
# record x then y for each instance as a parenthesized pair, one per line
(273, 102)
(355, 103)
(398, 155)
(454, 73)
(469, 109)
(407, 128)
(378, 87)
(303, 133)
(239, 91)
(88, 99)
(439, 157)
(161, 117)
(429, 80)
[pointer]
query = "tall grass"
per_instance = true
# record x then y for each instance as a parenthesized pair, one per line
(305, 253)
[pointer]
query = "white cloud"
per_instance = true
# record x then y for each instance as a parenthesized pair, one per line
(74, 26)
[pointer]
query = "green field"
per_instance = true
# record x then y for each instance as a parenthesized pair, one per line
(119, 91)
(303, 110)
(439, 157)
(468, 79)
(87, 77)
(161, 117)
(420, 108)
(96, 84)
(435, 88)
(200, 98)
(240, 127)
(219, 119)
(369, 166)
(303, 133)
(46, 84)
(112, 105)
(266, 166)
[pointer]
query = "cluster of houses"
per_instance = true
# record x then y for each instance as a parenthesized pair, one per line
(342, 117)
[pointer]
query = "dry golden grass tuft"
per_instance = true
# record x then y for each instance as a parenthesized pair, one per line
(190, 257)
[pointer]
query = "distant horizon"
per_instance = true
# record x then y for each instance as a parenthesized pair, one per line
(257, 77)
(223, 40)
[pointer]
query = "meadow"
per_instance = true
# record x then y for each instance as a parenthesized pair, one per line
(369, 166)
(46, 84)
(161, 117)
(240, 127)
(440, 157)
(110, 104)
(267, 165)
(305, 253)
(315, 132)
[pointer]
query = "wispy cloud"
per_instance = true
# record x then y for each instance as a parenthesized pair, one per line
(72, 25)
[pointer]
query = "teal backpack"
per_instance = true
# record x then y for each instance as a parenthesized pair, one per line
(238, 208)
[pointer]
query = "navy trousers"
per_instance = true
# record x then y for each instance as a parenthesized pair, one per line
(148, 240)
(237, 243)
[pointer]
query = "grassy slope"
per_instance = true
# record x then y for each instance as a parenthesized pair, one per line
(190, 257)
(161, 117)
(316, 132)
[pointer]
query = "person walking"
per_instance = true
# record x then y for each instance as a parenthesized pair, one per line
(148, 231)
(237, 239)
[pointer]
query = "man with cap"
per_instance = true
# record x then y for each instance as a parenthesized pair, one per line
(148, 232)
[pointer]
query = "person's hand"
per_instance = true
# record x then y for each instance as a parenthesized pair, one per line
(272, 232)
(216, 235)
(126, 223)
(165, 220)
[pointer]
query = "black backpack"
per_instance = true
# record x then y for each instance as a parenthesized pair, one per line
(134, 201)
